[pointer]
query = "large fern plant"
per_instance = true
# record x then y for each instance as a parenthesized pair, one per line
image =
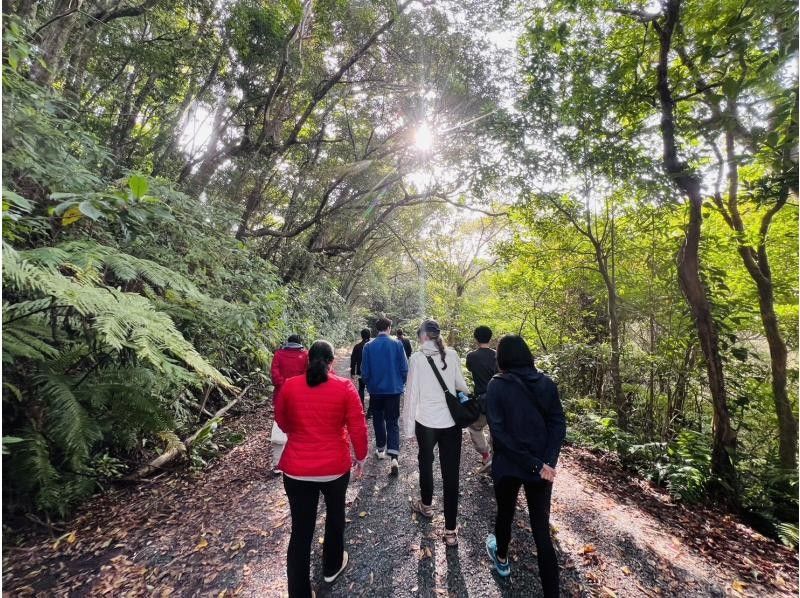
(88, 364)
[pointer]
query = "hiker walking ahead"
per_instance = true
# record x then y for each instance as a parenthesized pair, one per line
(355, 365)
(527, 426)
(404, 340)
(427, 417)
(384, 368)
(291, 359)
(318, 411)
(482, 364)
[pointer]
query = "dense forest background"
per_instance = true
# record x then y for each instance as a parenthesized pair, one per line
(186, 183)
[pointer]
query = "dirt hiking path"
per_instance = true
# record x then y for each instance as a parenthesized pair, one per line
(224, 532)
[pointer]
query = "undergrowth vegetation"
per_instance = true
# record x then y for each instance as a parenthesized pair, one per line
(127, 307)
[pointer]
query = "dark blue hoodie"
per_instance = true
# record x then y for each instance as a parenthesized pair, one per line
(527, 428)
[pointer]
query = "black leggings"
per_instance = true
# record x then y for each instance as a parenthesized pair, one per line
(538, 494)
(449, 441)
(303, 498)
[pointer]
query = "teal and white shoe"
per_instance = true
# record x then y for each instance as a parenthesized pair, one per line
(503, 568)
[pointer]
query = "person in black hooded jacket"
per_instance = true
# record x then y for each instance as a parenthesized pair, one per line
(527, 424)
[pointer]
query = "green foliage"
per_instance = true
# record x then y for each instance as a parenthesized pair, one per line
(123, 300)
(789, 535)
(685, 469)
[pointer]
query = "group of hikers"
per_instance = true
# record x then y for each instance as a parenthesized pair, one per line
(319, 416)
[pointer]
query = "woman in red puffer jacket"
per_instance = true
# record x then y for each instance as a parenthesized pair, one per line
(318, 412)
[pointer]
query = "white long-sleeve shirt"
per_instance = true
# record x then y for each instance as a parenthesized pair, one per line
(424, 400)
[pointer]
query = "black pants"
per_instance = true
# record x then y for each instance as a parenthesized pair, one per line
(303, 499)
(362, 386)
(449, 441)
(538, 495)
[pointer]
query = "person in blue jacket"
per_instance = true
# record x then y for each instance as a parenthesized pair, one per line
(527, 424)
(384, 368)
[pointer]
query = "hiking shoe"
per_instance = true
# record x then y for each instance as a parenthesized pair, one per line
(395, 467)
(345, 560)
(419, 507)
(380, 454)
(503, 569)
(450, 537)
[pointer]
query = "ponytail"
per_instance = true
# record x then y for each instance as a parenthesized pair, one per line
(320, 357)
(440, 346)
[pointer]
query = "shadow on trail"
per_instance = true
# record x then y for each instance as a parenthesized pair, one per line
(645, 567)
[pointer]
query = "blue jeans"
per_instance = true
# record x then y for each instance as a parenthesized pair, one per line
(385, 418)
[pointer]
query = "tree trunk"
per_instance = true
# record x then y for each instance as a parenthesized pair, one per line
(756, 262)
(127, 122)
(724, 445)
(54, 39)
(620, 400)
(677, 399)
(688, 259)
(787, 421)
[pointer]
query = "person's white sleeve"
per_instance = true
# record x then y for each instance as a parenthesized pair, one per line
(412, 395)
(461, 384)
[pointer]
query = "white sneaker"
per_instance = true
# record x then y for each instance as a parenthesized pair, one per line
(380, 454)
(332, 578)
(395, 469)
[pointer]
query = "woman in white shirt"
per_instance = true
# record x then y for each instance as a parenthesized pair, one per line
(427, 417)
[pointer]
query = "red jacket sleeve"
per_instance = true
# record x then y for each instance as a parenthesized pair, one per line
(356, 422)
(275, 371)
(281, 411)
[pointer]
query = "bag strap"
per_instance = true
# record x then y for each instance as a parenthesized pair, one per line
(438, 375)
(528, 393)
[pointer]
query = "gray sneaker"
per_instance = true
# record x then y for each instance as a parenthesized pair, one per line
(380, 454)
(395, 468)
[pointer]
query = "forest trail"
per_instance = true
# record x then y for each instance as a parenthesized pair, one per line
(225, 532)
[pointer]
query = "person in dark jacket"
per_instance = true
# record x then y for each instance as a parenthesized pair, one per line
(404, 340)
(355, 366)
(384, 367)
(482, 364)
(527, 424)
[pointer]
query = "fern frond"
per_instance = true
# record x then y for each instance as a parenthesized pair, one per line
(92, 259)
(789, 534)
(19, 343)
(68, 422)
(121, 320)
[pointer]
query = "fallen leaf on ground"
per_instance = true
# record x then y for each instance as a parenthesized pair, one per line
(588, 549)
(362, 514)
(203, 543)
(626, 570)
(738, 586)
